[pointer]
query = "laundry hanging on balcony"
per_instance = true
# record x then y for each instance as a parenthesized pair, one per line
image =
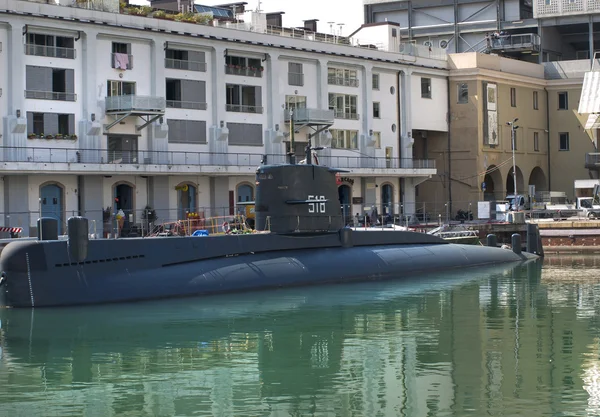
(121, 61)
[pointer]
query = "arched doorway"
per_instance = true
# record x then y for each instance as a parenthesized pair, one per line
(510, 186)
(186, 200)
(123, 195)
(538, 178)
(387, 201)
(493, 184)
(52, 204)
(345, 196)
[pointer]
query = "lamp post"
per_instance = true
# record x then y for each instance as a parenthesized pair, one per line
(513, 128)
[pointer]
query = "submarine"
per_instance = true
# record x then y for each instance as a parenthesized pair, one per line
(300, 239)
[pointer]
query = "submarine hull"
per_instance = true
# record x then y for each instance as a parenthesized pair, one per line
(41, 273)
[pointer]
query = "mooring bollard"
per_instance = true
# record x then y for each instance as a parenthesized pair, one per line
(516, 243)
(492, 240)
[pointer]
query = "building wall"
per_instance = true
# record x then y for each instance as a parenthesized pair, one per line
(434, 117)
(571, 162)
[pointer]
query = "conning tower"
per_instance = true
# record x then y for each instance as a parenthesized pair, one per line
(297, 199)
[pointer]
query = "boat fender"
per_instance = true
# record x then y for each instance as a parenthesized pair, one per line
(225, 227)
(2, 278)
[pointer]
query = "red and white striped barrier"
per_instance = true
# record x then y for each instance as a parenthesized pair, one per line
(11, 229)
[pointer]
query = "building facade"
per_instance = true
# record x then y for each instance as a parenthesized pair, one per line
(104, 111)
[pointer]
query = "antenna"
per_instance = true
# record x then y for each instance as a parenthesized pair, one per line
(331, 26)
(340, 25)
(258, 8)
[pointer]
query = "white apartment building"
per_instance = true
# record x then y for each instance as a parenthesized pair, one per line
(102, 110)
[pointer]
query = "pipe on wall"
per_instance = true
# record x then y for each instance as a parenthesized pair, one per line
(548, 136)
(449, 118)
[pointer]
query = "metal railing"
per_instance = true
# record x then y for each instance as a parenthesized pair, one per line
(181, 64)
(113, 61)
(49, 51)
(348, 82)
(346, 115)
(528, 41)
(241, 108)
(135, 103)
(144, 157)
(592, 160)
(245, 71)
(178, 104)
(50, 95)
(307, 115)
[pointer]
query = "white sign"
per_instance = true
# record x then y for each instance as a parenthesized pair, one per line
(316, 207)
(483, 209)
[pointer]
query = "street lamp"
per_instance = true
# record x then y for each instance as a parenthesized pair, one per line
(513, 128)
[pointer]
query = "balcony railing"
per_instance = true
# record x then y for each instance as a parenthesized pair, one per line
(240, 108)
(522, 42)
(348, 82)
(310, 116)
(50, 95)
(246, 71)
(194, 105)
(346, 115)
(49, 51)
(122, 104)
(116, 62)
(181, 64)
(143, 157)
(592, 160)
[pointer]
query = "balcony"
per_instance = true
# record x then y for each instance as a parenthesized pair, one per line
(558, 8)
(50, 95)
(124, 106)
(526, 42)
(242, 108)
(194, 105)
(180, 64)
(49, 51)
(244, 71)
(100, 161)
(310, 117)
(592, 161)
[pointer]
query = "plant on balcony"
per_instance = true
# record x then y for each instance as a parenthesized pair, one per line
(262, 68)
(59, 136)
(122, 6)
(32, 136)
(49, 137)
(73, 137)
(160, 14)
(202, 18)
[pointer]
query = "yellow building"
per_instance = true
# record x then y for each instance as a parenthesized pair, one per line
(486, 94)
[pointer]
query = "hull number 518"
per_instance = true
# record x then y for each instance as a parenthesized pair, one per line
(316, 207)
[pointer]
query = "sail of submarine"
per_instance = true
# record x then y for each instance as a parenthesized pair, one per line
(300, 240)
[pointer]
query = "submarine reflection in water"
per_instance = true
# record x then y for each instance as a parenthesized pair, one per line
(369, 347)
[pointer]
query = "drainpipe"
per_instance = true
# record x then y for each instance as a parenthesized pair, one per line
(548, 135)
(448, 119)
(399, 134)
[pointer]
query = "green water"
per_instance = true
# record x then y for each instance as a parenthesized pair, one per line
(504, 341)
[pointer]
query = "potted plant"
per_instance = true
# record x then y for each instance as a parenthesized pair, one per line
(73, 136)
(49, 137)
(160, 14)
(32, 136)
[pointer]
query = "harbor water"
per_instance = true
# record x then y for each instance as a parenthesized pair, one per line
(508, 340)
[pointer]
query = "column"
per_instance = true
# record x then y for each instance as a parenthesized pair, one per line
(219, 134)
(16, 203)
(323, 103)
(273, 139)
(91, 194)
(15, 127)
(367, 146)
(406, 139)
(158, 134)
(90, 129)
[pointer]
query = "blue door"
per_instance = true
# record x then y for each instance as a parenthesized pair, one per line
(52, 204)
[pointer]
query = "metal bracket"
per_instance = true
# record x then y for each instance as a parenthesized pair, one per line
(265, 58)
(119, 120)
(78, 36)
(148, 121)
(311, 135)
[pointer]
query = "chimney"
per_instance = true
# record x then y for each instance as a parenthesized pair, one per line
(311, 25)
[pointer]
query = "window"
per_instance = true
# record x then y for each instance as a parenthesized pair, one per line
(187, 131)
(513, 97)
(186, 94)
(295, 74)
(463, 93)
(343, 105)
(377, 138)
(535, 100)
(57, 125)
(344, 139)
(341, 76)
(536, 141)
(244, 98)
(185, 60)
(50, 46)
(120, 88)
(295, 102)
(425, 87)
(375, 81)
(563, 141)
(563, 101)
(239, 65)
(245, 134)
(45, 83)
(121, 57)
(376, 113)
